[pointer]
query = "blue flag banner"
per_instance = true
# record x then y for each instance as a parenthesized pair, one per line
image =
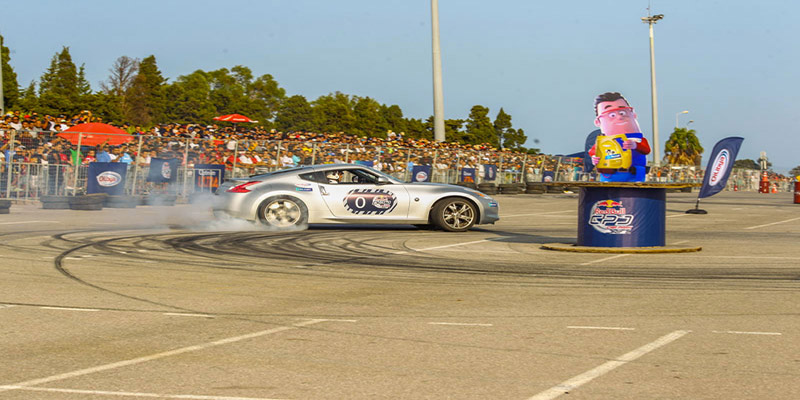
(421, 173)
(163, 170)
(548, 176)
(365, 163)
(489, 172)
(468, 175)
(590, 141)
(720, 164)
(207, 177)
(106, 177)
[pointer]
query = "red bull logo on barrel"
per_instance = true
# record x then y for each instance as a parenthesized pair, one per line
(610, 216)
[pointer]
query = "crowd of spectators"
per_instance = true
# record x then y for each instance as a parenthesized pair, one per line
(31, 138)
(242, 148)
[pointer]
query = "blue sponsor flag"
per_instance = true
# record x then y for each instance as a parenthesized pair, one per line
(106, 177)
(720, 164)
(489, 172)
(548, 176)
(468, 175)
(207, 177)
(163, 170)
(421, 173)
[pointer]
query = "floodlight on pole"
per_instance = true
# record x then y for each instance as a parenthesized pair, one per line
(651, 20)
(438, 92)
(676, 117)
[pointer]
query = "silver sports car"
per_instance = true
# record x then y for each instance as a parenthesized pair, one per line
(348, 193)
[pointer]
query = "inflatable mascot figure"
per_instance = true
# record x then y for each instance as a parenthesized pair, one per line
(620, 152)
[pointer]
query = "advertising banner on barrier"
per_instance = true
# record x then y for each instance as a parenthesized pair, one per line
(720, 165)
(207, 177)
(468, 175)
(421, 173)
(106, 177)
(163, 170)
(489, 172)
(548, 176)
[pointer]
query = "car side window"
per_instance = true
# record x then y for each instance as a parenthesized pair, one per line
(317, 177)
(358, 177)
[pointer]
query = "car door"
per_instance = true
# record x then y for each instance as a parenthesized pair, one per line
(358, 197)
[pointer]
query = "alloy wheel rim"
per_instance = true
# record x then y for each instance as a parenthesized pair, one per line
(282, 213)
(458, 215)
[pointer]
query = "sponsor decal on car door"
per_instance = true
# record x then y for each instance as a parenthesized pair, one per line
(366, 200)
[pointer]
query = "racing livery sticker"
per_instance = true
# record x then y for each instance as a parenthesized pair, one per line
(609, 216)
(109, 178)
(303, 187)
(370, 201)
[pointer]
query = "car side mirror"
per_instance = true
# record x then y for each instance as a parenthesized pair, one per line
(382, 180)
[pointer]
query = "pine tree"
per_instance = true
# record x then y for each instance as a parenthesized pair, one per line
(146, 97)
(61, 88)
(479, 128)
(294, 114)
(10, 85)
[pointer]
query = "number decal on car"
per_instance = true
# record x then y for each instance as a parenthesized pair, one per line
(370, 201)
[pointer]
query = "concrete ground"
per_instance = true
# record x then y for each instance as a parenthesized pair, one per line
(164, 302)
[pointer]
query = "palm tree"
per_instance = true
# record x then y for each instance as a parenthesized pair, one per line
(683, 147)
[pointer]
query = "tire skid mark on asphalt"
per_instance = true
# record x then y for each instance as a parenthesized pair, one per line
(129, 394)
(749, 333)
(157, 356)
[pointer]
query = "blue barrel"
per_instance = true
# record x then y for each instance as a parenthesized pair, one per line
(622, 217)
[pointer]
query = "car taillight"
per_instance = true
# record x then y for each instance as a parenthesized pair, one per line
(242, 188)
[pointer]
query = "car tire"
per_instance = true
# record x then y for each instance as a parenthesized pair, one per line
(283, 213)
(454, 214)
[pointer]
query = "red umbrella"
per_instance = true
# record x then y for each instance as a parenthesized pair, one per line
(235, 118)
(94, 133)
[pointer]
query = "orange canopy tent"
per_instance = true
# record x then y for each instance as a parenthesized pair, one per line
(95, 133)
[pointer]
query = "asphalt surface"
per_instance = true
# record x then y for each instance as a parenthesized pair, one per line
(165, 302)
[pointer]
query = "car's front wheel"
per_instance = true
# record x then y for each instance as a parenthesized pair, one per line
(454, 214)
(283, 212)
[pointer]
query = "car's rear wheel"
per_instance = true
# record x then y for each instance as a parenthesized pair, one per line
(283, 212)
(454, 214)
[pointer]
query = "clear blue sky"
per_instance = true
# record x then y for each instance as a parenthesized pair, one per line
(735, 65)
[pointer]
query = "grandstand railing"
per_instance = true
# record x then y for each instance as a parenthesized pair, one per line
(28, 181)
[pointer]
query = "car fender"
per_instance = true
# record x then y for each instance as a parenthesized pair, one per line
(308, 197)
(423, 208)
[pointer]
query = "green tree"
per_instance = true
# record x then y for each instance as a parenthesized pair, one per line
(62, 88)
(508, 137)
(116, 90)
(746, 163)
(147, 101)
(294, 114)
(29, 100)
(795, 171)
(369, 120)
(190, 100)
(416, 129)
(479, 128)
(333, 113)
(683, 147)
(393, 116)
(10, 85)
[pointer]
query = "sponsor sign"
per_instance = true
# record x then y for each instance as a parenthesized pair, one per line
(109, 179)
(468, 175)
(106, 178)
(207, 177)
(609, 216)
(370, 201)
(421, 173)
(489, 172)
(163, 170)
(720, 165)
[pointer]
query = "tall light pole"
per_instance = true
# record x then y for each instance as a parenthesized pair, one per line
(2, 102)
(438, 92)
(654, 103)
(676, 117)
